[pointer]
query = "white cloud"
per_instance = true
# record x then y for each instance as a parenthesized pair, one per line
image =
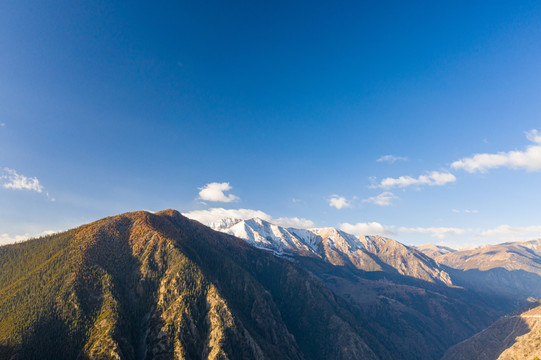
(210, 216)
(12, 180)
(437, 232)
(339, 202)
(506, 232)
(391, 158)
(383, 199)
(215, 192)
(2, 124)
(534, 136)
(465, 211)
(294, 222)
(370, 228)
(435, 178)
(529, 160)
(7, 239)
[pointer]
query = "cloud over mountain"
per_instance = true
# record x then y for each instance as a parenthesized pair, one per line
(437, 232)
(507, 232)
(368, 228)
(214, 215)
(8, 239)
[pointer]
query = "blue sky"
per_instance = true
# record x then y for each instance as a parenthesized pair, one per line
(284, 108)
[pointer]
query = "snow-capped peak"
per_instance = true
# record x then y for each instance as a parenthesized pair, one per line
(263, 234)
(339, 239)
(224, 223)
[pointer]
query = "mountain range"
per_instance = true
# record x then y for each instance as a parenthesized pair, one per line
(508, 272)
(512, 270)
(159, 286)
(368, 253)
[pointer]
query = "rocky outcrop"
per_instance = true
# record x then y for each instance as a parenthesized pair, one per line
(514, 336)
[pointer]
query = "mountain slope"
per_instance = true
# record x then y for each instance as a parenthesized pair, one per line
(515, 336)
(433, 250)
(510, 256)
(159, 286)
(509, 269)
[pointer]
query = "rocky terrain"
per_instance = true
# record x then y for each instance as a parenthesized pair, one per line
(514, 336)
(433, 250)
(509, 269)
(514, 256)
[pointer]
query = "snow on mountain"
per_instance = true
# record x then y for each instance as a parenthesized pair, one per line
(509, 269)
(224, 223)
(264, 235)
(434, 250)
(340, 240)
(368, 253)
(511, 256)
(534, 244)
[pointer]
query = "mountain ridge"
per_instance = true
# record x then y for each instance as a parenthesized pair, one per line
(511, 269)
(368, 253)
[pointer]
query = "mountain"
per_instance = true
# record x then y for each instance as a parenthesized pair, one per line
(511, 256)
(160, 286)
(509, 269)
(515, 336)
(433, 250)
(367, 253)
